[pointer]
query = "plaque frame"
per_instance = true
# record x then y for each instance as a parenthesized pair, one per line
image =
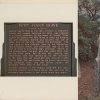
(72, 68)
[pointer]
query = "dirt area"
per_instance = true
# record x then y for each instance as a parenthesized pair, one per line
(85, 81)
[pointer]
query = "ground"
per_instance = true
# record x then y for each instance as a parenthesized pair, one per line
(85, 81)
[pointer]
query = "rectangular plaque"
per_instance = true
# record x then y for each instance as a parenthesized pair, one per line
(38, 49)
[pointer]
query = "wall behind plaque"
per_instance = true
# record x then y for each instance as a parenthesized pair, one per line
(51, 88)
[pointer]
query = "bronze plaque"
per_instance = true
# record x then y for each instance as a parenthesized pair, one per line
(37, 49)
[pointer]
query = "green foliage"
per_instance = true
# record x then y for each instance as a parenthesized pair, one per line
(88, 32)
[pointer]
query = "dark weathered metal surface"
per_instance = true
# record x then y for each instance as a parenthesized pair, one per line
(38, 49)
